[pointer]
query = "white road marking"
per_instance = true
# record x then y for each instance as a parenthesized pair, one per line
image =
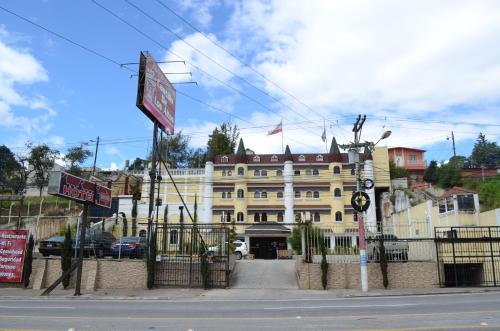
(37, 307)
(341, 306)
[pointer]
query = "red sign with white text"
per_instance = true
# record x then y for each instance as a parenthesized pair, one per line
(156, 95)
(12, 249)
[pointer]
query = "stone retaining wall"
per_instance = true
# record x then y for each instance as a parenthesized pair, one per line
(347, 275)
(96, 274)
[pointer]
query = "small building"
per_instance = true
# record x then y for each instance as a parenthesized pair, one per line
(412, 159)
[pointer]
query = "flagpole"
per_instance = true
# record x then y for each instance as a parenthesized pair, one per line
(282, 150)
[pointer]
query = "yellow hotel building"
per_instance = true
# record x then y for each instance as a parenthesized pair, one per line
(264, 194)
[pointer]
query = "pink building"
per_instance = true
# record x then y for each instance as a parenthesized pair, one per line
(412, 159)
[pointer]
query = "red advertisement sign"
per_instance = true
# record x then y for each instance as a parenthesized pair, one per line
(12, 249)
(75, 188)
(156, 95)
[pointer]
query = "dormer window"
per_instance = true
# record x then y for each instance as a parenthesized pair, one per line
(224, 159)
(274, 158)
(319, 157)
(302, 158)
(256, 158)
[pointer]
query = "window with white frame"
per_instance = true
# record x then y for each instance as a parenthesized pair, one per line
(224, 159)
(338, 216)
(240, 217)
(256, 217)
(279, 194)
(256, 173)
(263, 195)
(240, 194)
(256, 158)
(274, 158)
(315, 172)
(319, 157)
(279, 173)
(309, 194)
(308, 172)
(256, 195)
(263, 173)
(316, 194)
(336, 170)
(279, 217)
(296, 172)
(297, 194)
(302, 158)
(316, 217)
(241, 171)
(337, 193)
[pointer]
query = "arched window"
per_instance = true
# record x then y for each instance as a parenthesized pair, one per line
(279, 173)
(302, 158)
(240, 217)
(315, 172)
(256, 217)
(228, 195)
(297, 194)
(256, 158)
(256, 173)
(355, 217)
(229, 173)
(280, 217)
(279, 194)
(223, 173)
(338, 216)
(263, 195)
(316, 195)
(256, 195)
(308, 172)
(224, 159)
(264, 217)
(336, 170)
(274, 158)
(223, 195)
(225, 217)
(241, 171)
(297, 217)
(296, 172)
(263, 173)
(316, 217)
(309, 194)
(319, 157)
(338, 193)
(353, 172)
(240, 194)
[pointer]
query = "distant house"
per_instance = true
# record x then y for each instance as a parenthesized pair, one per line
(412, 159)
(473, 174)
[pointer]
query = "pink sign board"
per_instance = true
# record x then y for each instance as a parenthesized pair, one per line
(12, 249)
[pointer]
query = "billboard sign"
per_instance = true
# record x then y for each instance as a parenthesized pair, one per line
(155, 94)
(78, 189)
(12, 250)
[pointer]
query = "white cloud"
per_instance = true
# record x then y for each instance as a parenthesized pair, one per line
(199, 10)
(215, 63)
(111, 151)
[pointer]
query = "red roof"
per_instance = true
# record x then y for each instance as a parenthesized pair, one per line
(266, 158)
(408, 148)
(454, 191)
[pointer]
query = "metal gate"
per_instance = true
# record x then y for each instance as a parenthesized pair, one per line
(188, 252)
(468, 256)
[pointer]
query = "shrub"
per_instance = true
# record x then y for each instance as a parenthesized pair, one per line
(66, 256)
(28, 262)
(124, 226)
(324, 266)
(295, 240)
(383, 262)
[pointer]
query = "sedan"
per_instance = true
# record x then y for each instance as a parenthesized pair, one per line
(129, 246)
(51, 246)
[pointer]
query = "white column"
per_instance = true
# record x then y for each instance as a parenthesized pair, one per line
(371, 216)
(289, 194)
(208, 201)
(430, 224)
(477, 208)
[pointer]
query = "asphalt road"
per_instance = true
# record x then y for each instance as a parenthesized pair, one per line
(299, 312)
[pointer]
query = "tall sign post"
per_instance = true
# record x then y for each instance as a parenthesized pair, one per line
(80, 190)
(156, 99)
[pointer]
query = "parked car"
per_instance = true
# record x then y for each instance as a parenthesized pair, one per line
(51, 246)
(129, 246)
(241, 249)
(395, 250)
(97, 243)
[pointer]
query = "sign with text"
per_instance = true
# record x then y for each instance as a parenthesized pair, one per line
(155, 94)
(12, 249)
(78, 189)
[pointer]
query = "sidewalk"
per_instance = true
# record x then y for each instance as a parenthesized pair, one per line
(227, 294)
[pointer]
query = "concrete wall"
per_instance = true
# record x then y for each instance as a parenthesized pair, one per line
(347, 275)
(96, 274)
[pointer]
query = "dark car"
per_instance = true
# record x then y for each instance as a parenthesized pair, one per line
(97, 243)
(51, 246)
(129, 246)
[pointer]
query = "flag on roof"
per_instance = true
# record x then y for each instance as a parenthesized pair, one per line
(277, 129)
(323, 136)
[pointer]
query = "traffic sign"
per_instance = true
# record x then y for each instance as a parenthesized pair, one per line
(360, 201)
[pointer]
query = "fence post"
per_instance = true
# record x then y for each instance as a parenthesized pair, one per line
(38, 218)
(454, 261)
(10, 212)
(492, 257)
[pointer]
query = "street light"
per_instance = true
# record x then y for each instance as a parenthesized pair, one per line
(385, 135)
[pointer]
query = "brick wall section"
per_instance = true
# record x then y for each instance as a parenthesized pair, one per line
(347, 275)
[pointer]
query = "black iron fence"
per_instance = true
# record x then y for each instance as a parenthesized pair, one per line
(468, 256)
(190, 255)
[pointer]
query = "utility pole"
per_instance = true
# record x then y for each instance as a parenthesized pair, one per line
(453, 142)
(95, 156)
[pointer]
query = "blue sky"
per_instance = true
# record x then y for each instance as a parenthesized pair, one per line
(418, 69)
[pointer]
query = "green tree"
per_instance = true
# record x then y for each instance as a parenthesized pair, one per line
(431, 173)
(74, 158)
(397, 172)
(449, 175)
(383, 262)
(489, 192)
(134, 217)
(137, 165)
(9, 170)
(28, 261)
(41, 158)
(66, 256)
(197, 158)
(295, 240)
(124, 226)
(485, 153)
(324, 265)
(223, 140)
(175, 150)
(232, 238)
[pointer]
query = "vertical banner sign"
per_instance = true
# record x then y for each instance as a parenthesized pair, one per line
(155, 94)
(12, 249)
